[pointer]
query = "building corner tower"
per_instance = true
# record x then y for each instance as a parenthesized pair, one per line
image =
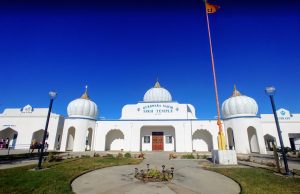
(242, 125)
(79, 127)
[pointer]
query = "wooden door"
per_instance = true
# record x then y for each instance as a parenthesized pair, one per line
(157, 141)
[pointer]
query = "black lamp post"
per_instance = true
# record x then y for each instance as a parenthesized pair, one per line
(271, 92)
(52, 96)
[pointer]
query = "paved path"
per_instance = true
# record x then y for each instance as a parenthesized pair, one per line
(189, 178)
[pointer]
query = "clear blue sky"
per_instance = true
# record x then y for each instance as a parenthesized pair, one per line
(119, 49)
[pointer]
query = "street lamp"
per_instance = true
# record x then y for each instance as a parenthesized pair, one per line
(52, 95)
(271, 92)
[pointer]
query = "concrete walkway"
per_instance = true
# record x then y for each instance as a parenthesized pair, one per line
(189, 178)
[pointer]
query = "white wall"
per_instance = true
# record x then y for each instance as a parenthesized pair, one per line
(240, 132)
(81, 130)
(158, 111)
(288, 125)
(26, 123)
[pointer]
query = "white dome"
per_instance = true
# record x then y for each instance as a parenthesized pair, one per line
(157, 94)
(83, 107)
(239, 105)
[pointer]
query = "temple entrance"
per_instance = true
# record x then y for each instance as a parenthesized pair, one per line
(157, 141)
(158, 138)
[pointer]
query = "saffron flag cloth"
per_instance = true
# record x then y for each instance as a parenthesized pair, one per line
(210, 8)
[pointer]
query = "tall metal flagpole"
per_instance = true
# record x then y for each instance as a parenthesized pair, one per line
(221, 136)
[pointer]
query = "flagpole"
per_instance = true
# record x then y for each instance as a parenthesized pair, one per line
(221, 136)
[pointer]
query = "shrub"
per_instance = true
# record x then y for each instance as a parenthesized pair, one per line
(286, 149)
(120, 155)
(108, 156)
(85, 156)
(154, 173)
(54, 158)
(96, 155)
(50, 157)
(141, 155)
(172, 156)
(127, 155)
(188, 156)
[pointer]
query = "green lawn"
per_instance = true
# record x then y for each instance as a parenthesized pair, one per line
(261, 181)
(55, 179)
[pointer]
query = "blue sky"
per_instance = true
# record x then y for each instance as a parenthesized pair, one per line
(119, 49)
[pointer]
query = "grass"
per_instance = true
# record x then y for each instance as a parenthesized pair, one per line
(56, 178)
(261, 181)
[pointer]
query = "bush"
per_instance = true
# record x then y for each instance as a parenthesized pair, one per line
(50, 157)
(188, 156)
(154, 173)
(108, 156)
(286, 149)
(141, 155)
(172, 156)
(120, 155)
(54, 158)
(127, 155)
(85, 156)
(96, 155)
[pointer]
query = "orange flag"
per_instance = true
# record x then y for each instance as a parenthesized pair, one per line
(210, 8)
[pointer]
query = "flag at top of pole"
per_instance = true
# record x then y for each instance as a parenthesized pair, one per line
(221, 137)
(210, 8)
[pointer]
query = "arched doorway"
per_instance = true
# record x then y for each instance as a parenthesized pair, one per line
(11, 135)
(253, 141)
(269, 141)
(89, 139)
(70, 139)
(37, 136)
(114, 140)
(157, 138)
(230, 136)
(202, 140)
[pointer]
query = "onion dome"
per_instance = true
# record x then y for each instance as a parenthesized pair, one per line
(239, 105)
(83, 107)
(157, 94)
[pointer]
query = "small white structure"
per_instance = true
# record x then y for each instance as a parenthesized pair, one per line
(155, 124)
(23, 126)
(242, 124)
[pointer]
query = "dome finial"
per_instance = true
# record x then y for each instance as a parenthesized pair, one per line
(157, 84)
(235, 92)
(85, 94)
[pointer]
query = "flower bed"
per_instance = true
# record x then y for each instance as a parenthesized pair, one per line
(154, 175)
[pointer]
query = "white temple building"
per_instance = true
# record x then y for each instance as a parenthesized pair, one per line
(155, 124)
